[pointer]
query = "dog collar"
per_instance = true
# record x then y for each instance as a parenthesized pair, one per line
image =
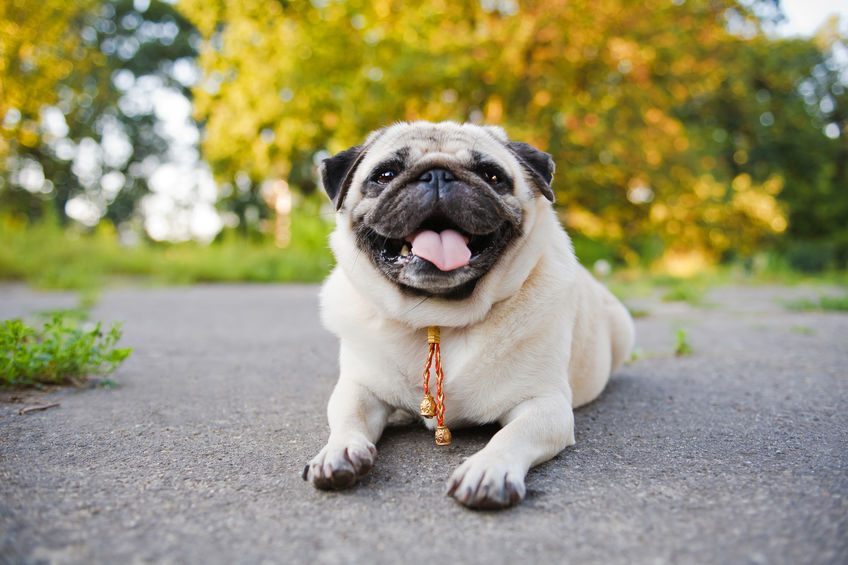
(429, 406)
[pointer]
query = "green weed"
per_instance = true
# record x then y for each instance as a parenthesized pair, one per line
(61, 352)
(681, 343)
(639, 354)
(681, 347)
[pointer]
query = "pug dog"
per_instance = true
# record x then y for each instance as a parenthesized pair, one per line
(452, 225)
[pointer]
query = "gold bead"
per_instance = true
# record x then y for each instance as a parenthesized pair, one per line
(443, 435)
(428, 407)
(433, 334)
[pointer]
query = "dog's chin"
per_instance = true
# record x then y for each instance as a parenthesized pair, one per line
(418, 276)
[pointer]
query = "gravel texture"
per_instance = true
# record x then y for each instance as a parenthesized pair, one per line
(737, 453)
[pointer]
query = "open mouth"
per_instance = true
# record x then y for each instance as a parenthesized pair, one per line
(440, 242)
(438, 257)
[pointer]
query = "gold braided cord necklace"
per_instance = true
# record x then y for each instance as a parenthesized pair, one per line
(429, 406)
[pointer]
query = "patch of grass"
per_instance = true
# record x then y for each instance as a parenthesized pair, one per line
(639, 313)
(835, 303)
(627, 284)
(49, 256)
(823, 304)
(639, 283)
(635, 282)
(62, 351)
(803, 330)
(684, 291)
(681, 343)
(769, 267)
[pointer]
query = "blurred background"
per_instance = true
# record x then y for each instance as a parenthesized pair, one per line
(180, 140)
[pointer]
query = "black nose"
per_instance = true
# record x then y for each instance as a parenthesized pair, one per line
(437, 177)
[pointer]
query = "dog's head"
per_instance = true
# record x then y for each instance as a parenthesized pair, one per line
(435, 206)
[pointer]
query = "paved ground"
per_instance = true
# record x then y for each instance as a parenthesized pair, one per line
(735, 454)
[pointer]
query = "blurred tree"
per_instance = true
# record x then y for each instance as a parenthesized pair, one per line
(653, 110)
(79, 131)
(780, 113)
(39, 46)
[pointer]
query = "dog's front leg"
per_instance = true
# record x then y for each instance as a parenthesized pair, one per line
(357, 419)
(533, 431)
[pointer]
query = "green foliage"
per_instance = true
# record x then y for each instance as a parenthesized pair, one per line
(681, 343)
(811, 256)
(49, 256)
(94, 64)
(60, 352)
(39, 46)
(589, 251)
(674, 135)
(683, 134)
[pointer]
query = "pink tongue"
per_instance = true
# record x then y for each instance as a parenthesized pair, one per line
(447, 250)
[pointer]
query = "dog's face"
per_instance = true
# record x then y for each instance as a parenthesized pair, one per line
(435, 206)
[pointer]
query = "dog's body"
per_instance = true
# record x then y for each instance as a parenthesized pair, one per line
(526, 333)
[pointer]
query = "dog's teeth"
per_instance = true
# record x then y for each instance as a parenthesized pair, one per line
(404, 251)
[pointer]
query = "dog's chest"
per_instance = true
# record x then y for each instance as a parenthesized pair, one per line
(482, 378)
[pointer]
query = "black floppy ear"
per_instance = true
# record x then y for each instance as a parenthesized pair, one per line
(337, 173)
(538, 164)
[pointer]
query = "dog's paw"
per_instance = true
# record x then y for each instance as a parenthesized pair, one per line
(487, 483)
(338, 466)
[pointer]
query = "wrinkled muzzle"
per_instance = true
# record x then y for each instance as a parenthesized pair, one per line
(438, 232)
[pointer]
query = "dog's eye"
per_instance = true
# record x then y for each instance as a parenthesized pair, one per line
(384, 176)
(491, 176)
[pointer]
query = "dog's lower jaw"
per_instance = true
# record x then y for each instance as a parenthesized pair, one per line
(460, 292)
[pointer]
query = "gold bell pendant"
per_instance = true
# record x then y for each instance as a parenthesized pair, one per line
(428, 406)
(443, 435)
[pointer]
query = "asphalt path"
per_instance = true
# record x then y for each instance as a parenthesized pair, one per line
(737, 453)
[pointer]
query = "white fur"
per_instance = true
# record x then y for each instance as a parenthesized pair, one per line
(538, 337)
